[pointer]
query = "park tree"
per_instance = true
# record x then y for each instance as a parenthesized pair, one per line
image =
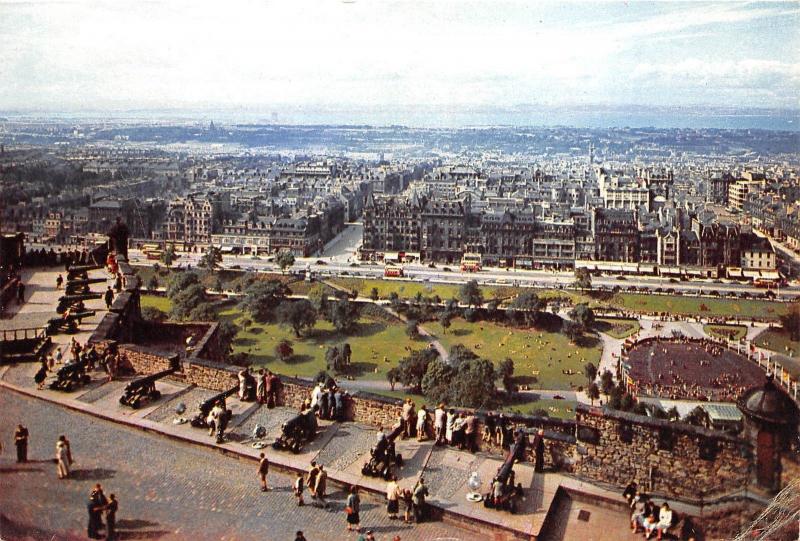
(412, 329)
(445, 320)
(572, 330)
(226, 334)
(393, 376)
(583, 279)
(186, 300)
(298, 315)
(284, 259)
(151, 313)
(527, 306)
(203, 312)
(436, 381)
(373, 294)
(506, 372)
(168, 256)
(467, 384)
(284, 350)
(319, 298)
(790, 321)
(343, 314)
(607, 382)
(460, 353)
(590, 370)
(212, 259)
(697, 417)
(262, 298)
(411, 369)
(470, 294)
(180, 281)
(152, 284)
(593, 392)
(347, 353)
(582, 315)
(335, 360)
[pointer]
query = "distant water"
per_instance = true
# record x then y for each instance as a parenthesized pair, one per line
(444, 117)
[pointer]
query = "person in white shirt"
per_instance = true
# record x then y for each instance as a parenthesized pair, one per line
(451, 420)
(392, 495)
(439, 421)
(664, 521)
(422, 420)
(213, 418)
(315, 395)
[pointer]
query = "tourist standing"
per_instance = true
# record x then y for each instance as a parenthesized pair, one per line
(320, 486)
(352, 510)
(408, 504)
(111, 517)
(59, 281)
(108, 297)
(263, 470)
(420, 494)
(408, 416)
(298, 489)
(392, 496)
(439, 421)
(62, 457)
(299, 536)
(422, 422)
(261, 385)
(95, 507)
(311, 479)
(41, 375)
(21, 437)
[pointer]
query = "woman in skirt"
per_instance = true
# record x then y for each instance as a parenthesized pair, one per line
(353, 504)
(392, 496)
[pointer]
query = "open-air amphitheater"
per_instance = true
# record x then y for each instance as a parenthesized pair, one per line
(716, 481)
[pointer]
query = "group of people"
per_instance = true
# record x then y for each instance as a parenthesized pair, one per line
(51, 258)
(262, 387)
(107, 360)
(328, 401)
(98, 505)
(646, 516)
(218, 419)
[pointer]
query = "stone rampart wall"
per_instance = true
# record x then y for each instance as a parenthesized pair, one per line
(678, 459)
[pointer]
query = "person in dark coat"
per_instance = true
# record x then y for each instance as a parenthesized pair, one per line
(338, 407)
(111, 517)
(323, 405)
(21, 441)
(95, 506)
(41, 375)
(20, 291)
(539, 452)
(108, 297)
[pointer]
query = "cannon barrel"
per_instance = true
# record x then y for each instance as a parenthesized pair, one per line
(199, 420)
(516, 453)
(70, 375)
(144, 387)
(65, 301)
(56, 322)
(82, 285)
(81, 269)
(297, 431)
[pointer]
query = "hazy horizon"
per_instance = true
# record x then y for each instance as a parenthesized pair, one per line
(379, 58)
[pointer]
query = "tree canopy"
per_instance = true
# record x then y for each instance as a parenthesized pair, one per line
(470, 294)
(285, 259)
(298, 315)
(262, 299)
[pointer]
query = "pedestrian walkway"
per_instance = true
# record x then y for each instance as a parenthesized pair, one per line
(342, 447)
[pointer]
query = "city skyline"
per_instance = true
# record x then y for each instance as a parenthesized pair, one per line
(458, 63)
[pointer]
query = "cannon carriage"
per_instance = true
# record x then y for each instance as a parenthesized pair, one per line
(200, 420)
(80, 286)
(297, 431)
(68, 322)
(80, 272)
(383, 457)
(75, 302)
(72, 375)
(507, 499)
(144, 389)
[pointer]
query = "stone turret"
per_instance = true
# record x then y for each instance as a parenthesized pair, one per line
(770, 421)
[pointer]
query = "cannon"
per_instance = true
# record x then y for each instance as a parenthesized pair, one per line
(383, 457)
(67, 301)
(297, 431)
(71, 375)
(144, 389)
(507, 500)
(199, 420)
(77, 287)
(80, 272)
(68, 323)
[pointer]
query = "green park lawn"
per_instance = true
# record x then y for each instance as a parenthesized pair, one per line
(778, 340)
(536, 353)
(561, 409)
(154, 301)
(696, 306)
(617, 328)
(371, 343)
(727, 332)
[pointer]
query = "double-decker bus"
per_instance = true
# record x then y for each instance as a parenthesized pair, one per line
(471, 262)
(152, 251)
(391, 271)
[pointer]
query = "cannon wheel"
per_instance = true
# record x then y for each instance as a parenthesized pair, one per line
(135, 403)
(155, 395)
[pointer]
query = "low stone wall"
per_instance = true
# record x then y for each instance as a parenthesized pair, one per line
(677, 459)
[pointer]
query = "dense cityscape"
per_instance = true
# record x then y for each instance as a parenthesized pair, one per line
(400, 271)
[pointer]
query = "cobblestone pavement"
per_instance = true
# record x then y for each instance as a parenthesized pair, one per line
(167, 490)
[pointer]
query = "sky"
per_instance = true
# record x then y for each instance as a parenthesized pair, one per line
(362, 54)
